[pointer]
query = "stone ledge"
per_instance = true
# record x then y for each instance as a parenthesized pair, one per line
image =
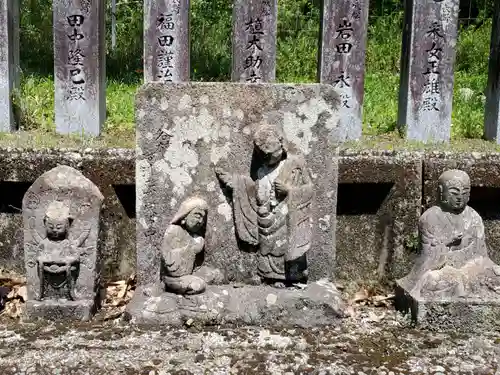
(82, 310)
(460, 314)
(317, 304)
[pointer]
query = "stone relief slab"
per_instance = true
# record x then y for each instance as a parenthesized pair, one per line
(61, 213)
(187, 132)
(236, 185)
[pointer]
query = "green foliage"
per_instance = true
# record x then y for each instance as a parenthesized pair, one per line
(298, 33)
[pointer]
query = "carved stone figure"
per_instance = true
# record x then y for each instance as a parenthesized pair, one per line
(59, 264)
(182, 244)
(61, 213)
(273, 212)
(454, 259)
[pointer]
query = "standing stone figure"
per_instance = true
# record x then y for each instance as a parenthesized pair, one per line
(182, 244)
(454, 259)
(274, 211)
(61, 213)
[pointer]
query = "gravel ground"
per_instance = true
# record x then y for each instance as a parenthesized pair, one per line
(372, 341)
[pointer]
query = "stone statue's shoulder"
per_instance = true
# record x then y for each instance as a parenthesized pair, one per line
(474, 215)
(431, 215)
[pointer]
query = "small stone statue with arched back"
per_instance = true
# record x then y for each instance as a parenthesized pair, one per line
(183, 242)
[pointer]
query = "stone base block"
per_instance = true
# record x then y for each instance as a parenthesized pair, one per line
(318, 303)
(457, 314)
(82, 310)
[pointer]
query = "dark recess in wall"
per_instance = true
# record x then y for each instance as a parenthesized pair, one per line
(126, 196)
(486, 201)
(11, 196)
(361, 199)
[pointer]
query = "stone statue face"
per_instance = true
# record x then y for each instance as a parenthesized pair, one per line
(57, 228)
(195, 220)
(270, 146)
(455, 195)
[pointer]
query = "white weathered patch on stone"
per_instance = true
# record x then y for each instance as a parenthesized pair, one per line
(211, 186)
(142, 175)
(141, 114)
(173, 202)
(225, 210)
(218, 153)
(247, 130)
(185, 102)
(298, 126)
(324, 223)
(149, 136)
(164, 104)
(239, 114)
(204, 100)
(178, 175)
(271, 299)
(226, 112)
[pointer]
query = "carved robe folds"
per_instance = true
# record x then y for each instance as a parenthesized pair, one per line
(279, 225)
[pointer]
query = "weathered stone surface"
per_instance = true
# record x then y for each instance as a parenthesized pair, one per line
(79, 58)
(61, 213)
(186, 131)
(344, 29)
(112, 170)
(428, 56)
(9, 63)
(492, 110)
(166, 36)
(319, 303)
(453, 266)
(477, 314)
(379, 204)
(254, 40)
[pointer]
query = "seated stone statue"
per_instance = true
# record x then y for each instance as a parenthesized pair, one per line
(454, 259)
(273, 212)
(59, 258)
(182, 242)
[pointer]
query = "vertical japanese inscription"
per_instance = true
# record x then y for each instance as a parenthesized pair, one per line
(342, 58)
(167, 40)
(76, 86)
(79, 66)
(254, 41)
(427, 76)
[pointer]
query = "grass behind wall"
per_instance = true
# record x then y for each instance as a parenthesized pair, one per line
(211, 61)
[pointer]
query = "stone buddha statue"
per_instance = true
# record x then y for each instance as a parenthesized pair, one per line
(59, 259)
(183, 242)
(273, 212)
(454, 259)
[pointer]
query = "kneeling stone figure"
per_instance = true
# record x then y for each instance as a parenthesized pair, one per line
(182, 243)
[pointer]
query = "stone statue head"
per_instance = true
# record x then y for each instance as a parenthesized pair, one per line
(270, 143)
(454, 190)
(192, 215)
(57, 221)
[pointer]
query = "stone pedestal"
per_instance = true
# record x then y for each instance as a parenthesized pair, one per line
(254, 40)
(317, 304)
(79, 59)
(472, 314)
(9, 63)
(344, 29)
(492, 111)
(427, 60)
(166, 40)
